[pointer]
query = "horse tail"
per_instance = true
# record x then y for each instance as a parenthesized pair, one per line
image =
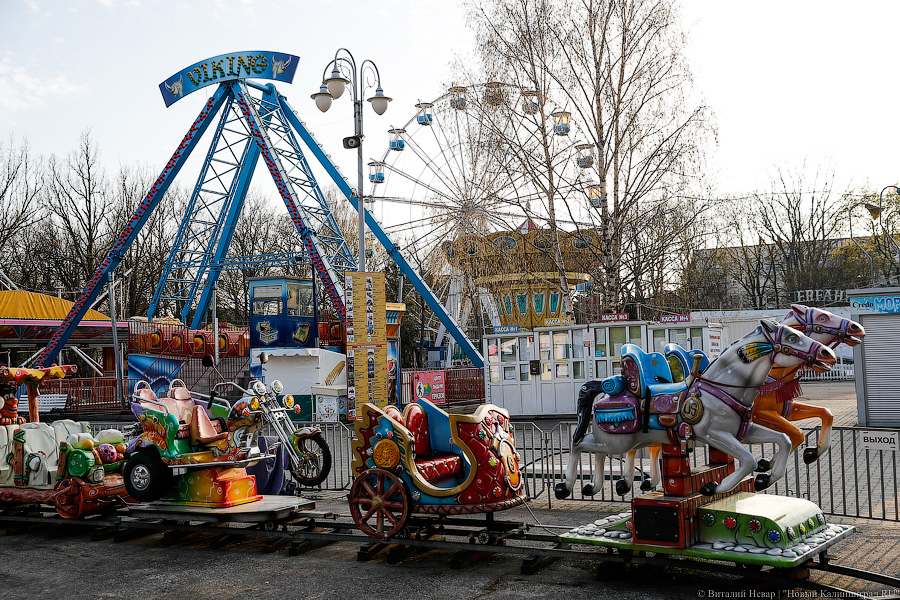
(586, 396)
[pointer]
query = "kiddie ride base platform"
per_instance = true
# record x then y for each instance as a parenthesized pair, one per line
(739, 526)
(269, 509)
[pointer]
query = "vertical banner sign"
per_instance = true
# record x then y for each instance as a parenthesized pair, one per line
(367, 374)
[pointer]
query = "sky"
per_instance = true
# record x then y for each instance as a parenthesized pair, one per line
(789, 82)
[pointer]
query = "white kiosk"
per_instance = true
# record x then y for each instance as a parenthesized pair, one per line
(877, 358)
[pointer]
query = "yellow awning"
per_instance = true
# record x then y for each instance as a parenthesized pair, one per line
(16, 304)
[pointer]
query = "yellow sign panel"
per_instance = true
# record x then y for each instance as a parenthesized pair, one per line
(367, 374)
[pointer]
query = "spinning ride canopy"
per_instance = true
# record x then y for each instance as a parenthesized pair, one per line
(519, 269)
(27, 318)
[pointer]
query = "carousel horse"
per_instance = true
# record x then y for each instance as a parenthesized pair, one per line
(713, 408)
(775, 406)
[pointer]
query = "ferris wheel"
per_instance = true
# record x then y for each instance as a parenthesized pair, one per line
(448, 173)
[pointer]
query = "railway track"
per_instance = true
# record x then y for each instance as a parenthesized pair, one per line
(466, 539)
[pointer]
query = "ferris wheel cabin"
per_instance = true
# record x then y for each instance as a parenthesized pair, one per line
(424, 117)
(397, 143)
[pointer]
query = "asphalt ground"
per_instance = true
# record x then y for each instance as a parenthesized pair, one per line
(36, 566)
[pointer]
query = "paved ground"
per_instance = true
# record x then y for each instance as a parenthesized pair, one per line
(35, 566)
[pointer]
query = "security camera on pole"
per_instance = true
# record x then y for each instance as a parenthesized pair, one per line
(332, 89)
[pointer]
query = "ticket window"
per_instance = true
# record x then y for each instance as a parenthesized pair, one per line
(689, 338)
(300, 299)
(562, 355)
(267, 300)
(608, 342)
(508, 360)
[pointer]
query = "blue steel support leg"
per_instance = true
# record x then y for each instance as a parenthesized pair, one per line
(392, 249)
(240, 194)
(128, 235)
(226, 236)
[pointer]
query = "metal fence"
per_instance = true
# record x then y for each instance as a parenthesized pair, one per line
(464, 385)
(847, 481)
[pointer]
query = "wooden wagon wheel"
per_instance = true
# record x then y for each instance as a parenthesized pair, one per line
(69, 500)
(379, 503)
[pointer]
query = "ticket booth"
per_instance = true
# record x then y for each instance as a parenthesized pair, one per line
(537, 373)
(283, 313)
(689, 334)
(876, 359)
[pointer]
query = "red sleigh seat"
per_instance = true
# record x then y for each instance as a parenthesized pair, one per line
(431, 466)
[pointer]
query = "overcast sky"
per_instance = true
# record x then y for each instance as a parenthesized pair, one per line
(788, 81)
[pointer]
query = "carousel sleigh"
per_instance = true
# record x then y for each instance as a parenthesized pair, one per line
(425, 461)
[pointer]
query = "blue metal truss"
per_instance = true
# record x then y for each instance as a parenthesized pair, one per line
(312, 203)
(248, 129)
(128, 235)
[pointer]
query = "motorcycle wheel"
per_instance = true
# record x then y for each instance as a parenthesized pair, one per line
(315, 460)
(147, 478)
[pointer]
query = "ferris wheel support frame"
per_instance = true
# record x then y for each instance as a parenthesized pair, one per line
(390, 247)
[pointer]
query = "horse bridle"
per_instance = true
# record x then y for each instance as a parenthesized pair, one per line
(736, 405)
(807, 322)
(779, 348)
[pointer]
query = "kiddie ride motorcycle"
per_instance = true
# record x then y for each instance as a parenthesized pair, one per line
(194, 448)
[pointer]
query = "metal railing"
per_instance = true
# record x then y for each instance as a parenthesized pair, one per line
(847, 480)
(464, 385)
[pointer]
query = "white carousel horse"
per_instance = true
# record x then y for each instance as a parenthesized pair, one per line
(776, 408)
(715, 410)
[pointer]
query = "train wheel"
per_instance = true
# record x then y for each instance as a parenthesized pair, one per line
(379, 504)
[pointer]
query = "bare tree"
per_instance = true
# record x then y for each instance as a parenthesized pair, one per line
(618, 67)
(803, 223)
(79, 197)
(20, 187)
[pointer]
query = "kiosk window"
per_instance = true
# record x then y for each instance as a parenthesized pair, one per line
(524, 373)
(267, 300)
(659, 339)
(616, 339)
(634, 335)
(561, 345)
(508, 350)
(600, 342)
(697, 338)
(300, 299)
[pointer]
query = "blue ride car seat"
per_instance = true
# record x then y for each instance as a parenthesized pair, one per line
(681, 361)
(644, 369)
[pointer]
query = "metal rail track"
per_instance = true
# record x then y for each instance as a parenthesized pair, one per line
(468, 538)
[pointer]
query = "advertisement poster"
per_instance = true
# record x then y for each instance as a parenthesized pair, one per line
(393, 367)
(367, 366)
(430, 385)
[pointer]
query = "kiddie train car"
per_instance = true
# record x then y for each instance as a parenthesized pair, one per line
(425, 461)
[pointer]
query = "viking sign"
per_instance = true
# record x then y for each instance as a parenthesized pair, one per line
(254, 64)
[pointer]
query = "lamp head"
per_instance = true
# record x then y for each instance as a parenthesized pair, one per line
(873, 209)
(323, 98)
(379, 101)
(336, 83)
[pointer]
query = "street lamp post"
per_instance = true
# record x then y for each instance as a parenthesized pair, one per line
(332, 88)
(874, 211)
(882, 218)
